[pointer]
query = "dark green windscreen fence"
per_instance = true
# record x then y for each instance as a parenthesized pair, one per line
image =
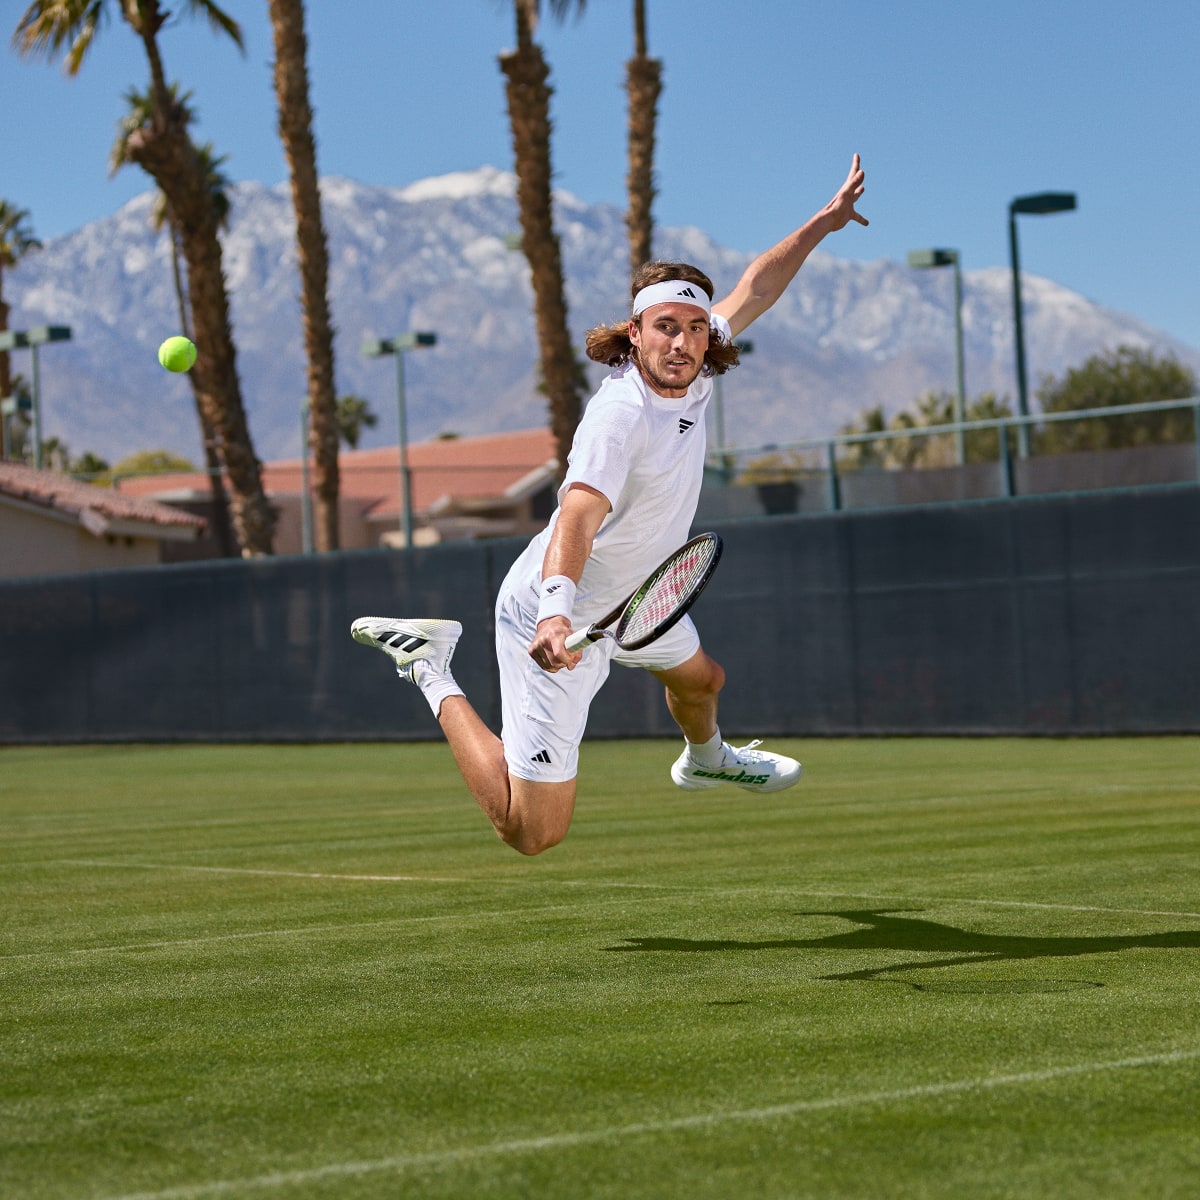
(1057, 615)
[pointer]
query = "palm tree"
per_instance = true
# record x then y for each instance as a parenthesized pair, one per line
(295, 132)
(354, 414)
(161, 217)
(16, 241)
(528, 95)
(161, 146)
(643, 85)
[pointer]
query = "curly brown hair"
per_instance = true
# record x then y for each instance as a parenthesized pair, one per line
(611, 345)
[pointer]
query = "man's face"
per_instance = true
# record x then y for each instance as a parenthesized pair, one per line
(670, 340)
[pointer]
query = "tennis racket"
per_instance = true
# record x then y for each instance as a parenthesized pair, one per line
(665, 596)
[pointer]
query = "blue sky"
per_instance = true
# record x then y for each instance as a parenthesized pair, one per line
(956, 106)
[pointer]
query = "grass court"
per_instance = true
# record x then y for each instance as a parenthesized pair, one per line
(937, 968)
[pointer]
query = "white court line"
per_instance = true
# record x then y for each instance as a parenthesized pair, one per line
(143, 866)
(389, 922)
(462, 1154)
(658, 887)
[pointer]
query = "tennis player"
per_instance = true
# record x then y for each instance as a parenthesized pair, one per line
(627, 500)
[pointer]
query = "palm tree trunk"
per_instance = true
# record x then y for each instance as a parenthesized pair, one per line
(643, 84)
(212, 461)
(220, 392)
(295, 131)
(528, 95)
(166, 153)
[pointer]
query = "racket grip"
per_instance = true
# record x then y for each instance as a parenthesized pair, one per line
(581, 639)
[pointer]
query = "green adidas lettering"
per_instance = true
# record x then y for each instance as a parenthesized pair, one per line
(724, 777)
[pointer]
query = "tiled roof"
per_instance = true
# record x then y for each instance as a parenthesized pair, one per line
(99, 510)
(445, 469)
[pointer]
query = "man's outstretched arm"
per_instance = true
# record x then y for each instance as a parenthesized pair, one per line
(768, 276)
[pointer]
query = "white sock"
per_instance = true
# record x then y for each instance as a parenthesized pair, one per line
(710, 753)
(436, 687)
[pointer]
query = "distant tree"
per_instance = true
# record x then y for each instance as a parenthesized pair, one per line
(936, 450)
(865, 454)
(16, 241)
(55, 455)
(89, 467)
(299, 147)
(15, 429)
(983, 445)
(920, 451)
(1127, 375)
(152, 462)
(643, 85)
(159, 143)
(528, 96)
(776, 466)
(354, 414)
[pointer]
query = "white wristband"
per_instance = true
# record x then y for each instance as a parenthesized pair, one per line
(556, 597)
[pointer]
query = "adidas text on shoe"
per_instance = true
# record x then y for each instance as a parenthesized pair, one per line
(745, 767)
(408, 642)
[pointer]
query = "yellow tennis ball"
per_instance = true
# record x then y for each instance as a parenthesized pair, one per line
(177, 354)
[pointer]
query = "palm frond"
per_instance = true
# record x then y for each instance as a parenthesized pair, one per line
(219, 21)
(49, 27)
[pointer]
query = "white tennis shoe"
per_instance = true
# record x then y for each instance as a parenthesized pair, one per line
(410, 643)
(745, 767)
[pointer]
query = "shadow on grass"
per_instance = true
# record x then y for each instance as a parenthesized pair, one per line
(885, 929)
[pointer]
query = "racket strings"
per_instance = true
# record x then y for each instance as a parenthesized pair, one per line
(666, 591)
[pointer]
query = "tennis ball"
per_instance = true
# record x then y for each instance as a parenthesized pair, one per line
(177, 354)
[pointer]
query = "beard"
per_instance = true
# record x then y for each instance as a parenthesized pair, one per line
(656, 380)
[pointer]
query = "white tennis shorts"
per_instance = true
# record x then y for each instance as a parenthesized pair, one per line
(545, 713)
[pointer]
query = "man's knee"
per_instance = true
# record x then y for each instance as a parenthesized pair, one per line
(699, 679)
(530, 841)
(539, 815)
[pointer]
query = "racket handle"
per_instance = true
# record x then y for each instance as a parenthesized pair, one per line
(581, 639)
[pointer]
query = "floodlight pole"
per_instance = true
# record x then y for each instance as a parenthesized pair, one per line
(396, 346)
(1040, 204)
(945, 258)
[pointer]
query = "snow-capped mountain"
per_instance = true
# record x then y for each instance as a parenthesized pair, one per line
(433, 256)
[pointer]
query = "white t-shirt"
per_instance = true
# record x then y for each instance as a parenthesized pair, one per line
(644, 453)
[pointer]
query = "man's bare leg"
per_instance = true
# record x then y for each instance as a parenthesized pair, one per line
(692, 690)
(527, 815)
(707, 761)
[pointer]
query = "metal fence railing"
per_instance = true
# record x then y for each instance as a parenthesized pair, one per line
(822, 461)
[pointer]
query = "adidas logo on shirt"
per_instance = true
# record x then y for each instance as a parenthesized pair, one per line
(685, 425)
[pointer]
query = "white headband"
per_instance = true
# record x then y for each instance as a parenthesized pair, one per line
(671, 291)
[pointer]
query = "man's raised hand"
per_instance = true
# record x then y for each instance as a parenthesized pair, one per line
(841, 207)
